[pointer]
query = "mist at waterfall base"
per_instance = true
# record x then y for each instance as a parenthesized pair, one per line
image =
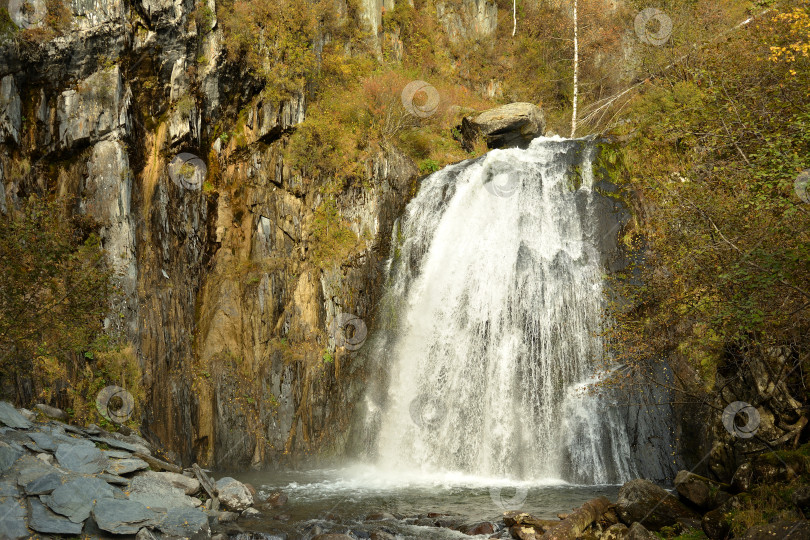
(484, 346)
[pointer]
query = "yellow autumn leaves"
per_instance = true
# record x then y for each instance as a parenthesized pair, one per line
(799, 29)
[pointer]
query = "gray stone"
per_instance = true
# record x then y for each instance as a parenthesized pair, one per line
(12, 519)
(44, 484)
(146, 534)
(717, 523)
(41, 519)
(122, 516)
(75, 499)
(81, 458)
(638, 532)
(114, 443)
(34, 448)
(43, 441)
(10, 417)
(227, 517)
(185, 522)
(156, 494)
(96, 107)
(117, 454)
(514, 124)
(31, 469)
(52, 412)
(189, 485)
(60, 437)
(124, 466)
(10, 111)
(114, 479)
(8, 489)
(29, 415)
(8, 456)
(45, 458)
(651, 505)
(700, 491)
(234, 494)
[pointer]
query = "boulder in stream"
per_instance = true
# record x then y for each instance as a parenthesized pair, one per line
(233, 494)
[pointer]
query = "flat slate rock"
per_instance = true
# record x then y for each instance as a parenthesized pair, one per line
(115, 443)
(8, 489)
(41, 519)
(8, 456)
(114, 479)
(155, 493)
(122, 516)
(81, 458)
(75, 499)
(43, 484)
(117, 454)
(185, 522)
(12, 418)
(125, 466)
(12, 519)
(189, 485)
(43, 440)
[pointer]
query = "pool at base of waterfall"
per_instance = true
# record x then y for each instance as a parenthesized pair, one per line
(370, 502)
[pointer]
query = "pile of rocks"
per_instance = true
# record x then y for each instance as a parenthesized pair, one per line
(58, 479)
(698, 504)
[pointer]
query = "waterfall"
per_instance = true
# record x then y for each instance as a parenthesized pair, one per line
(491, 320)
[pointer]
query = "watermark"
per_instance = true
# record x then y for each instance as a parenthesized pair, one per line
(115, 404)
(501, 184)
(653, 26)
(427, 412)
(27, 13)
(730, 414)
(800, 186)
(515, 502)
(349, 331)
(431, 100)
(188, 171)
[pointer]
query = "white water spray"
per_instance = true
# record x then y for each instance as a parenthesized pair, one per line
(494, 304)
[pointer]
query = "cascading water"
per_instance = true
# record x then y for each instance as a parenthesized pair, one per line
(492, 313)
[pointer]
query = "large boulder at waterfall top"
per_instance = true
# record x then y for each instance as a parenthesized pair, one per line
(652, 506)
(515, 124)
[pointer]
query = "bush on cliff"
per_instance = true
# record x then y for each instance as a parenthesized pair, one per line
(717, 147)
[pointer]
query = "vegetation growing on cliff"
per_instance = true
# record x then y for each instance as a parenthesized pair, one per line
(55, 290)
(717, 144)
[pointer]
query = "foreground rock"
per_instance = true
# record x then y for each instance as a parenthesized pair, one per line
(234, 494)
(55, 480)
(515, 124)
(652, 506)
(704, 493)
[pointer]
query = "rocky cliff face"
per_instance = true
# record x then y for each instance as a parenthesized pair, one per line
(228, 311)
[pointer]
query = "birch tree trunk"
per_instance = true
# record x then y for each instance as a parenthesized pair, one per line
(514, 17)
(576, 72)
